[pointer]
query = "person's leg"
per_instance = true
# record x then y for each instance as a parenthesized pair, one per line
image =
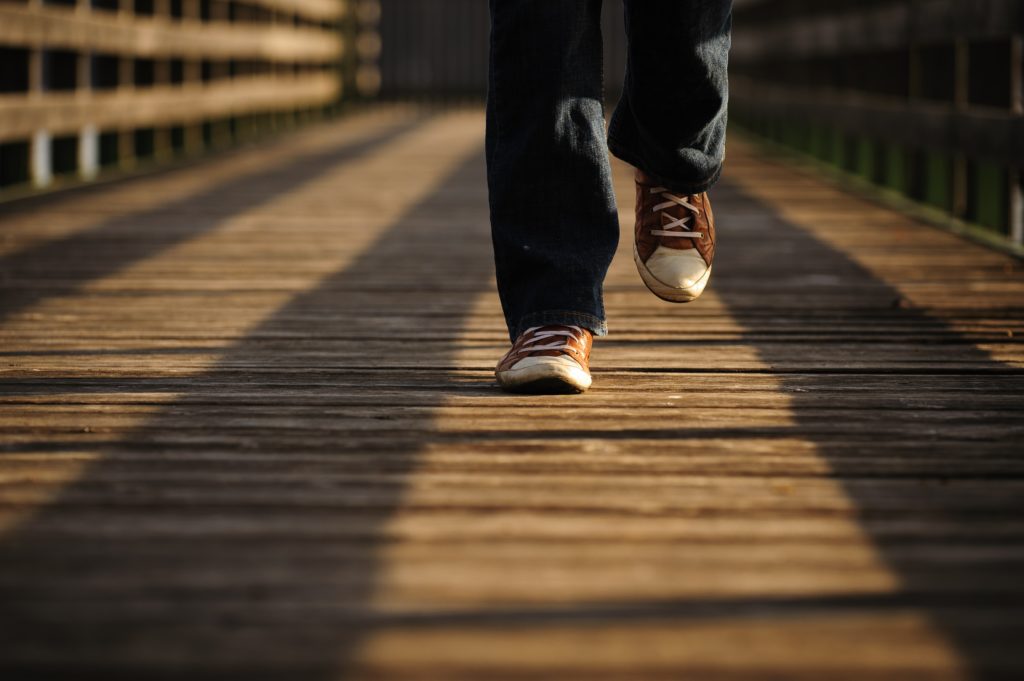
(670, 122)
(553, 217)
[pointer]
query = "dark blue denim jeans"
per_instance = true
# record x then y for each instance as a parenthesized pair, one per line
(553, 216)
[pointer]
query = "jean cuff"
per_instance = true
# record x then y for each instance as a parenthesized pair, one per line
(595, 325)
(686, 188)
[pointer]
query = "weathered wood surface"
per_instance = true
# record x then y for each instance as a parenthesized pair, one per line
(70, 28)
(249, 431)
(59, 112)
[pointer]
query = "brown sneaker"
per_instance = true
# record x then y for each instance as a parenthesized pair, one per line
(674, 241)
(547, 360)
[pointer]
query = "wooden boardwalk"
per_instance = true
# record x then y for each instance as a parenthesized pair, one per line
(249, 431)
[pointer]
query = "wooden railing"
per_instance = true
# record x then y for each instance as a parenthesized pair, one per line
(90, 85)
(923, 97)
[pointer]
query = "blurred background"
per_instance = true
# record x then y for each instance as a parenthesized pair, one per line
(919, 98)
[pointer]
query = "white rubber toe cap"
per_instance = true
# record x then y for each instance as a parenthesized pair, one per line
(674, 275)
(553, 370)
(680, 269)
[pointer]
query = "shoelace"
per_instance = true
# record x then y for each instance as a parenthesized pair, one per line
(531, 344)
(685, 232)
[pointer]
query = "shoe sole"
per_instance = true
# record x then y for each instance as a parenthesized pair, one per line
(669, 293)
(545, 379)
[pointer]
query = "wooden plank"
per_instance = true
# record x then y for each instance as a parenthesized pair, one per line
(648, 647)
(875, 28)
(163, 105)
(988, 134)
(56, 27)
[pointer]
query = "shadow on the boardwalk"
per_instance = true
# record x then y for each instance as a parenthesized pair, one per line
(938, 496)
(60, 266)
(236, 534)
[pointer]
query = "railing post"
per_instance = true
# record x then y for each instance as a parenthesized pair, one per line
(220, 130)
(88, 152)
(192, 76)
(368, 47)
(41, 159)
(40, 147)
(961, 102)
(1016, 181)
(88, 135)
(125, 85)
(162, 147)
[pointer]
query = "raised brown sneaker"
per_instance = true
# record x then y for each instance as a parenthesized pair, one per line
(549, 359)
(674, 242)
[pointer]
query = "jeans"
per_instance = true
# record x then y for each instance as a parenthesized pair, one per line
(554, 221)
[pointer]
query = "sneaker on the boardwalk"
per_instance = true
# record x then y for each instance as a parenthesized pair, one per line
(674, 242)
(549, 359)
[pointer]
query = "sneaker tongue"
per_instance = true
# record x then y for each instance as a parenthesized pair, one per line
(643, 178)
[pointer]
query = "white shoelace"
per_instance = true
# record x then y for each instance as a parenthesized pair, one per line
(530, 345)
(685, 232)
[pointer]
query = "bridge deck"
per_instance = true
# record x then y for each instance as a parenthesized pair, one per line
(249, 431)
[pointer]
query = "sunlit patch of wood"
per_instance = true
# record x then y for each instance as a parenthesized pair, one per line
(884, 646)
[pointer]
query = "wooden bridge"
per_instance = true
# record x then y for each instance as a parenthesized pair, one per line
(250, 431)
